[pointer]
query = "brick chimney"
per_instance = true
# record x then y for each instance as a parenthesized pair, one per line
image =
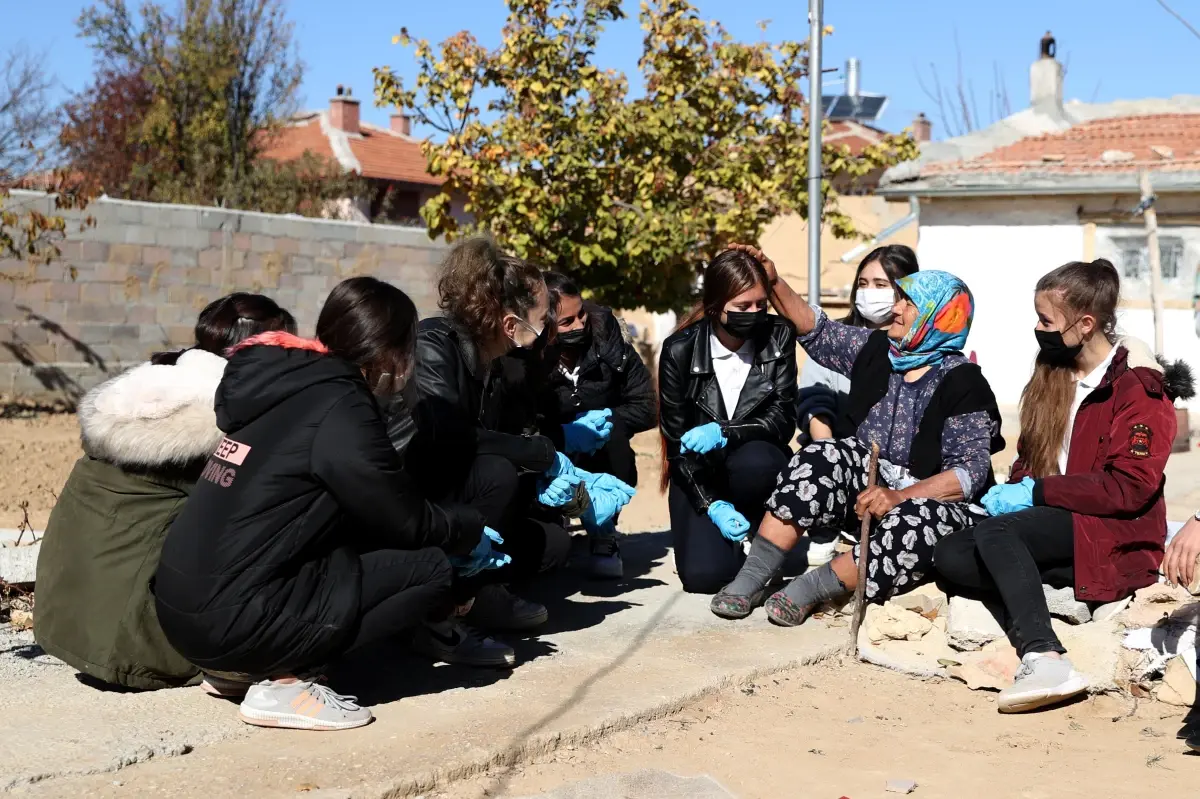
(402, 124)
(1046, 78)
(343, 111)
(922, 128)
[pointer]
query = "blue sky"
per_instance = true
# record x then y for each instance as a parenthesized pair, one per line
(1114, 49)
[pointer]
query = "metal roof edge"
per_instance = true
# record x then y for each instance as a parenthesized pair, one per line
(1024, 184)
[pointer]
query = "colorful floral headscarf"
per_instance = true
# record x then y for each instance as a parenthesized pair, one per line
(945, 309)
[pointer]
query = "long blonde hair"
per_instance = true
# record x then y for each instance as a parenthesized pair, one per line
(1078, 289)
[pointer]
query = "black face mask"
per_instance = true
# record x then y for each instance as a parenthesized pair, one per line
(1054, 350)
(745, 324)
(576, 339)
(535, 350)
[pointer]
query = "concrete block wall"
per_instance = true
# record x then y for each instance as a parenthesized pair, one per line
(134, 283)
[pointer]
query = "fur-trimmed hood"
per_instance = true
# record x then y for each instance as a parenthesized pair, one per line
(155, 415)
(1176, 378)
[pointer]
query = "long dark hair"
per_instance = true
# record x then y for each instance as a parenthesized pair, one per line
(370, 323)
(231, 320)
(480, 285)
(897, 260)
(731, 273)
(1078, 289)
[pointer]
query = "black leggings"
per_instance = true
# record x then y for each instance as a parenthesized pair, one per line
(705, 560)
(1012, 556)
(400, 589)
(536, 543)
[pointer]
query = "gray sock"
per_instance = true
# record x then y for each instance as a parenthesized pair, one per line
(817, 586)
(762, 564)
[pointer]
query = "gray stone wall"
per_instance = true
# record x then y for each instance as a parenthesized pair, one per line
(134, 283)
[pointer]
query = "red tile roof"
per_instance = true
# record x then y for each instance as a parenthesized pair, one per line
(380, 153)
(1158, 142)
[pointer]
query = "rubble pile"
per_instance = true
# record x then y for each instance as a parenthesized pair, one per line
(1142, 646)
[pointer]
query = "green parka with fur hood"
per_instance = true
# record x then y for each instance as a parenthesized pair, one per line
(146, 435)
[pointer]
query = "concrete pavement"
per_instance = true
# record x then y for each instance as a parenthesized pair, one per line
(612, 655)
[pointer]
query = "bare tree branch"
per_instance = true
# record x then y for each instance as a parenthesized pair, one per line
(29, 123)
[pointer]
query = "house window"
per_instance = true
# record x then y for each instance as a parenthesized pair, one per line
(1134, 257)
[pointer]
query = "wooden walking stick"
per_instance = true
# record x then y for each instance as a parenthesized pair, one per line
(864, 553)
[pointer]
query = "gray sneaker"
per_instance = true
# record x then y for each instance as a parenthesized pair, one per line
(452, 641)
(605, 558)
(1042, 680)
(495, 608)
(301, 705)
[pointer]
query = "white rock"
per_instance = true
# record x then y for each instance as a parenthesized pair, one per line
(971, 625)
(19, 564)
(1178, 686)
(892, 622)
(1063, 604)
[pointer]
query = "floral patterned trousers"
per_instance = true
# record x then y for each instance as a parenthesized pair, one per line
(819, 488)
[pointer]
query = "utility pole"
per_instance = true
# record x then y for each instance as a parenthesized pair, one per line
(816, 29)
(1155, 259)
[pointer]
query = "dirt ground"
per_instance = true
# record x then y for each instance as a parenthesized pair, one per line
(836, 730)
(37, 454)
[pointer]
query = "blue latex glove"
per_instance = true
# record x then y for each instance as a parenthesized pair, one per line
(589, 432)
(605, 502)
(732, 524)
(605, 482)
(703, 439)
(1010, 498)
(562, 465)
(558, 491)
(482, 556)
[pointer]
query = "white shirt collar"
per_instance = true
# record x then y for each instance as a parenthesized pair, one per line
(719, 350)
(1093, 378)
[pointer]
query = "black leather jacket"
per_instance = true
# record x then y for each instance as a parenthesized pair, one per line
(611, 375)
(458, 411)
(689, 396)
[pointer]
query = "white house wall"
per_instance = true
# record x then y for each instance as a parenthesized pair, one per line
(1000, 249)
(1001, 264)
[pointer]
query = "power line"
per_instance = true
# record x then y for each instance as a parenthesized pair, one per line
(1175, 14)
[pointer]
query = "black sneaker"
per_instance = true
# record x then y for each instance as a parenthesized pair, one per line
(605, 559)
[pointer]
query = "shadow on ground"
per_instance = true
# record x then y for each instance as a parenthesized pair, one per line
(388, 672)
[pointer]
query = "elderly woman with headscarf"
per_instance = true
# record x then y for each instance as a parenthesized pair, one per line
(935, 420)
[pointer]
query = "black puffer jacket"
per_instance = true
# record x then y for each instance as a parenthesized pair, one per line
(689, 396)
(459, 411)
(611, 375)
(260, 571)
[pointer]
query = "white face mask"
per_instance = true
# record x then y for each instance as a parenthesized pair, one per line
(875, 305)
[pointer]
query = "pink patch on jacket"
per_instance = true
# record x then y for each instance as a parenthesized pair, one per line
(278, 338)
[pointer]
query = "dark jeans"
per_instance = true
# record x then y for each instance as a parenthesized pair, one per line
(705, 560)
(616, 457)
(536, 543)
(1011, 556)
(401, 589)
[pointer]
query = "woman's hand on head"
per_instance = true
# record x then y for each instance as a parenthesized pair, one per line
(1179, 565)
(767, 264)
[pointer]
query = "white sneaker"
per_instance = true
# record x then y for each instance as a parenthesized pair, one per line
(451, 641)
(301, 705)
(820, 554)
(1042, 680)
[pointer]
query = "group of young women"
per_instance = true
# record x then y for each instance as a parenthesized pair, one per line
(250, 510)
(258, 506)
(1084, 502)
